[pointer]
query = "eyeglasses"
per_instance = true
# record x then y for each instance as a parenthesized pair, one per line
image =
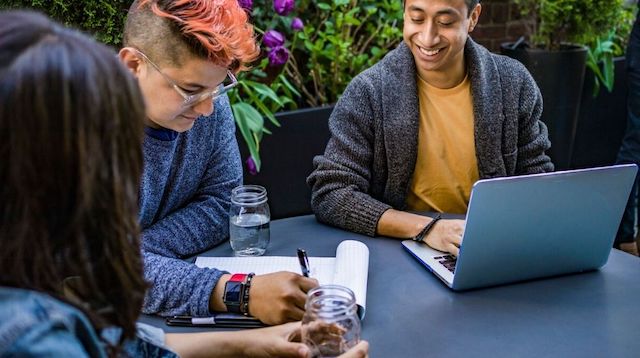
(192, 99)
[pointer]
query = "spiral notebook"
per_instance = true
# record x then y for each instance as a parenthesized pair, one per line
(350, 267)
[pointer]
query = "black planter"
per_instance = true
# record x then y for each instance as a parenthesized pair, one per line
(559, 75)
(287, 159)
(602, 121)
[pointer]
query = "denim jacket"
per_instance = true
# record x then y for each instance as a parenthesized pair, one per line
(35, 324)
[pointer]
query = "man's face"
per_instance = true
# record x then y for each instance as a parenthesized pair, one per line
(164, 105)
(436, 31)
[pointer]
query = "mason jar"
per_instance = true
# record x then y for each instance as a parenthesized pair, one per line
(330, 325)
(249, 219)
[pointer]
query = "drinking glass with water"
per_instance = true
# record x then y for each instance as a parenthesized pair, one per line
(249, 218)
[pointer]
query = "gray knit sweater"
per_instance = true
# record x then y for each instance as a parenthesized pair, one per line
(369, 161)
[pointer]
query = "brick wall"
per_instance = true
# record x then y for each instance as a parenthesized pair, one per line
(499, 22)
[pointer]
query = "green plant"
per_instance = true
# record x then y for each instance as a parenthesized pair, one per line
(252, 101)
(340, 39)
(264, 90)
(316, 50)
(601, 25)
(103, 19)
(602, 50)
(554, 22)
(600, 61)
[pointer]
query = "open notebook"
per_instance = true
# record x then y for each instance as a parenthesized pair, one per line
(350, 267)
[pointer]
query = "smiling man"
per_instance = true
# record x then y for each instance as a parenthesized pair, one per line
(185, 55)
(416, 130)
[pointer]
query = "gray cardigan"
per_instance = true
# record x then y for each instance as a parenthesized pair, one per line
(369, 161)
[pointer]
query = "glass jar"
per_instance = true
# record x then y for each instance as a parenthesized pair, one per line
(330, 325)
(249, 219)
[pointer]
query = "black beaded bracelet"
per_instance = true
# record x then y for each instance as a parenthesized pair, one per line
(244, 306)
(427, 228)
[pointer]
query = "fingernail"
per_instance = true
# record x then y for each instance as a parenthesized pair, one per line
(303, 351)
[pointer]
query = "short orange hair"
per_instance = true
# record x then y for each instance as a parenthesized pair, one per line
(214, 29)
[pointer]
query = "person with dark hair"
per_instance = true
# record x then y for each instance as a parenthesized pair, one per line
(629, 153)
(71, 277)
(69, 171)
(418, 129)
(185, 55)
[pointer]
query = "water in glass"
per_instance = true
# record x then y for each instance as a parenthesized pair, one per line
(249, 219)
(249, 234)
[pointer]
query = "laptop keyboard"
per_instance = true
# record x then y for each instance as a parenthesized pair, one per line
(448, 261)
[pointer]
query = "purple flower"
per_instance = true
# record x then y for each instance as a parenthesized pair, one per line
(278, 56)
(296, 24)
(251, 166)
(273, 38)
(246, 4)
(283, 7)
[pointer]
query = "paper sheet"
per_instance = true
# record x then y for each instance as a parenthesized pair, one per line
(349, 268)
(322, 268)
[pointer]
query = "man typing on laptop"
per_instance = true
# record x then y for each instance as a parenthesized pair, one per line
(415, 131)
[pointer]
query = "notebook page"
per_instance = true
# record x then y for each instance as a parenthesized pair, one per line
(352, 269)
(322, 268)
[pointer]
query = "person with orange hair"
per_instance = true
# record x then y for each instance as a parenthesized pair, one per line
(185, 55)
(71, 274)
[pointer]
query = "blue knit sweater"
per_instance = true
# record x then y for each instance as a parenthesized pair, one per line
(184, 202)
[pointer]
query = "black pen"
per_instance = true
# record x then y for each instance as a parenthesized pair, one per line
(304, 262)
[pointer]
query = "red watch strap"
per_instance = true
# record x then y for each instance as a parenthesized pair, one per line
(238, 277)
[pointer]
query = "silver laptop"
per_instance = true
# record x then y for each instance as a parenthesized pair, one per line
(532, 226)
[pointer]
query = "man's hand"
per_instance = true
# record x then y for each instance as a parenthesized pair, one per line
(446, 235)
(279, 297)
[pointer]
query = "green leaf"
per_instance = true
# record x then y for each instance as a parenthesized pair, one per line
(308, 45)
(288, 84)
(249, 116)
(239, 112)
(608, 73)
(352, 21)
(266, 91)
(323, 6)
(265, 111)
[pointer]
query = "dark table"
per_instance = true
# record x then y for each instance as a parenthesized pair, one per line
(410, 313)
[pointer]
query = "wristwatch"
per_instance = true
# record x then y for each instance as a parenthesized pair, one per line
(234, 292)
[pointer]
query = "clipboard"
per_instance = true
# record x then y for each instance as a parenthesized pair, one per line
(221, 320)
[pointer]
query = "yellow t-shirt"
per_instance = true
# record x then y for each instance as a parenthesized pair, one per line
(446, 166)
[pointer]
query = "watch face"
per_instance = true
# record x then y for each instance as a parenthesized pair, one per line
(232, 292)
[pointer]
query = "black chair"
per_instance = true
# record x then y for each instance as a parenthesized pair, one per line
(602, 121)
(287, 159)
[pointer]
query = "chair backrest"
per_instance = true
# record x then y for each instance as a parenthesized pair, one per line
(287, 159)
(602, 121)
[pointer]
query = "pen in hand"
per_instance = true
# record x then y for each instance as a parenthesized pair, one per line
(304, 262)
